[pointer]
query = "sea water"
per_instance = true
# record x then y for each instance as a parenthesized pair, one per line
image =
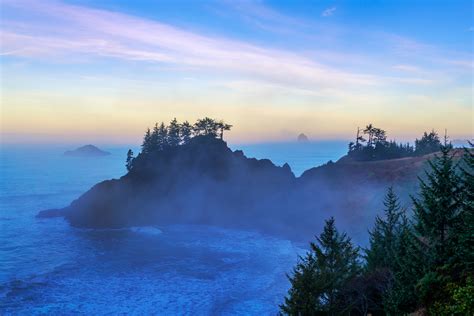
(48, 267)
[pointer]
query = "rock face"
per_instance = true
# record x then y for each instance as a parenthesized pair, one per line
(86, 151)
(204, 182)
(302, 138)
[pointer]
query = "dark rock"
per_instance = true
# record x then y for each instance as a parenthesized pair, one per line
(302, 138)
(87, 151)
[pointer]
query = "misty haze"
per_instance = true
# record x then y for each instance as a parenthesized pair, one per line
(236, 158)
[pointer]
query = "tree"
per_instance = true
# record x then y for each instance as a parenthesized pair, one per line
(222, 126)
(408, 268)
(384, 235)
(437, 209)
(162, 140)
(173, 133)
(206, 126)
(186, 132)
(331, 263)
(465, 247)
(129, 161)
(147, 142)
(429, 143)
(301, 299)
(369, 130)
(155, 138)
(438, 214)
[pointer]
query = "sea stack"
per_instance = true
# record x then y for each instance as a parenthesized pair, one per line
(302, 138)
(86, 151)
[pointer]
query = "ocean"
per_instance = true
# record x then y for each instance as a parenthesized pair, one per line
(48, 267)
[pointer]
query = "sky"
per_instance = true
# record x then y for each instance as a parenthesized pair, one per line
(83, 71)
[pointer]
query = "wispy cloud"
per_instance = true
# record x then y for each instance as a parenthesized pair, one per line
(407, 68)
(329, 12)
(62, 30)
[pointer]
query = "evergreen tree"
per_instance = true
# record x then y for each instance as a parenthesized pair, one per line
(147, 142)
(302, 296)
(438, 213)
(222, 126)
(464, 257)
(206, 126)
(173, 133)
(186, 132)
(155, 138)
(331, 263)
(462, 263)
(383, 237)
(429, 143)
(162, 140)
(129, 161)
(408, 268)
(437, 208)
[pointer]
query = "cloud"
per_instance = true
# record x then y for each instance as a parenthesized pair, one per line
(63, 31)
(407, 68)
(329, 12)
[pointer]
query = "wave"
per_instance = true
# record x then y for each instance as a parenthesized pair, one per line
(148, 230)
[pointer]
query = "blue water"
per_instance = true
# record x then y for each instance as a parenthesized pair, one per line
(48, 267)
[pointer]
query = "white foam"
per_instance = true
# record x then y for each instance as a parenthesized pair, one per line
(149, 230)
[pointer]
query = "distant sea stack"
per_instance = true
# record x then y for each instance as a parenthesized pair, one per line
(86, 151)
(302, 138)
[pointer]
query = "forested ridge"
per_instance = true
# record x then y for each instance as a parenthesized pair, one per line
(421, 263)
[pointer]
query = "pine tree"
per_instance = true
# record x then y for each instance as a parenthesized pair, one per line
(383, 237)
(438, 213)
(301, 299)
(147, 142)
(331, 263)
(162, 140)
(222, 126)
(437, 208)
(129, 161)
(155, 138)
(465, 227)
(173, 133)
(206, 126)
(408, 268)
(186, 131)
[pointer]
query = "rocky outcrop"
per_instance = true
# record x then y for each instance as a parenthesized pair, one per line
(86, 151)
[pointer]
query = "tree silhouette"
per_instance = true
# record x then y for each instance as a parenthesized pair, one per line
(186, 132)
(129, 161)
(222, 126)
(174, 138)
(206, 126)
(147, 142)
(162, 140)
(428, 143)
(320, 277)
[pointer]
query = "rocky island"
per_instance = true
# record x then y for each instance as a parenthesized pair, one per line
(86, 151)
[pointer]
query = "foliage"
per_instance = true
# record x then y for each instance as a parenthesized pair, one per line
(429, 143)
(424, 266)
(374, 146)
(383, 237)
(175, 134)
(129, 161)
(319, 279)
